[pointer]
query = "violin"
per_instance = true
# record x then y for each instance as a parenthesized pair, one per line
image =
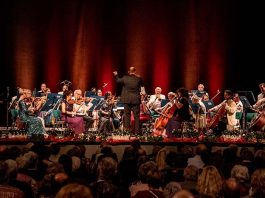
(28, 100)
(71, 101)
(80, 101)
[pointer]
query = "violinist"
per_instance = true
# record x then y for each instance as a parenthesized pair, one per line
(65, 87)
(99, 92)
(42, 91)
(106, 125)
(82, 109)
(30, 102)
(228, 119)
(69, 113)
(41, 97)
(34, 124)
(181, 113)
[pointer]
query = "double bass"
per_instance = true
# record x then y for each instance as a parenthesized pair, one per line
(165, 115)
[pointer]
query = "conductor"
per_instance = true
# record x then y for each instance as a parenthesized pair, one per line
(132, 85)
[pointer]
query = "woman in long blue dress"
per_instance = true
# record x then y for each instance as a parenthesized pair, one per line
(34, 124)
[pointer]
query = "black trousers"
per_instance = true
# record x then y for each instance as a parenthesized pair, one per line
(135, 108)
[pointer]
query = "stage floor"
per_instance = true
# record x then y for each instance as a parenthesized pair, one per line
(12, 136)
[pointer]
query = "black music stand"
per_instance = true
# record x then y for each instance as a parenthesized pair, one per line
(246, 108)
(249, 95)
(52, 99)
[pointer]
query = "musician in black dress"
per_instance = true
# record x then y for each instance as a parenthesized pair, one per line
(182, 112)
(132, 85)
(106, 125)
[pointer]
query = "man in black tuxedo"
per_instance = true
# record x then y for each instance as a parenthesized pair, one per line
(132, 85)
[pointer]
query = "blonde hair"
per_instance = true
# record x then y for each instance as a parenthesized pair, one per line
(209, 182)
(258, 179)
(240, 173)
(161, 158)
(74, 191)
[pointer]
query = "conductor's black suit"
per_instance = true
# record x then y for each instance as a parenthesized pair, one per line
(130, 96)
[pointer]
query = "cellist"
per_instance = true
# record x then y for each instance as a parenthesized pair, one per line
(181, 113)
(228, 120)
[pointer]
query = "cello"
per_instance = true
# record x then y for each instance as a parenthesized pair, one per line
(217, 117)
(165, 115)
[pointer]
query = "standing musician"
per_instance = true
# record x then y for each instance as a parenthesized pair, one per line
(181, 113)
(226, 113)
(154, 103)
(106, 125)
(69, 113)
(260, 104)
(132, 85)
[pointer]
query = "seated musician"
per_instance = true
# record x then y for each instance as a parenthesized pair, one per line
(13, 105)
(171, 96)
(34, 124)
(65, 87)
(199, 114)
(154, 103)
(181, 113)
(69, 113)
(82, 108)
(239, 107)
(200, 91)
(99, 92)
(106, 125)
(42, 91)
(228, 120)
(260, 104)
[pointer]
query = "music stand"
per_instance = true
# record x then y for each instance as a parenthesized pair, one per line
(249, 95)
(90, 94)
(98, 105)
(52, 99)
(208, 104)
(246, 107)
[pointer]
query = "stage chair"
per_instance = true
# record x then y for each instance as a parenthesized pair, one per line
(239, 115)
(250, 116)
(58, 125)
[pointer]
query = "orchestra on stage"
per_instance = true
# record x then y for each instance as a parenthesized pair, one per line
(163, 113)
